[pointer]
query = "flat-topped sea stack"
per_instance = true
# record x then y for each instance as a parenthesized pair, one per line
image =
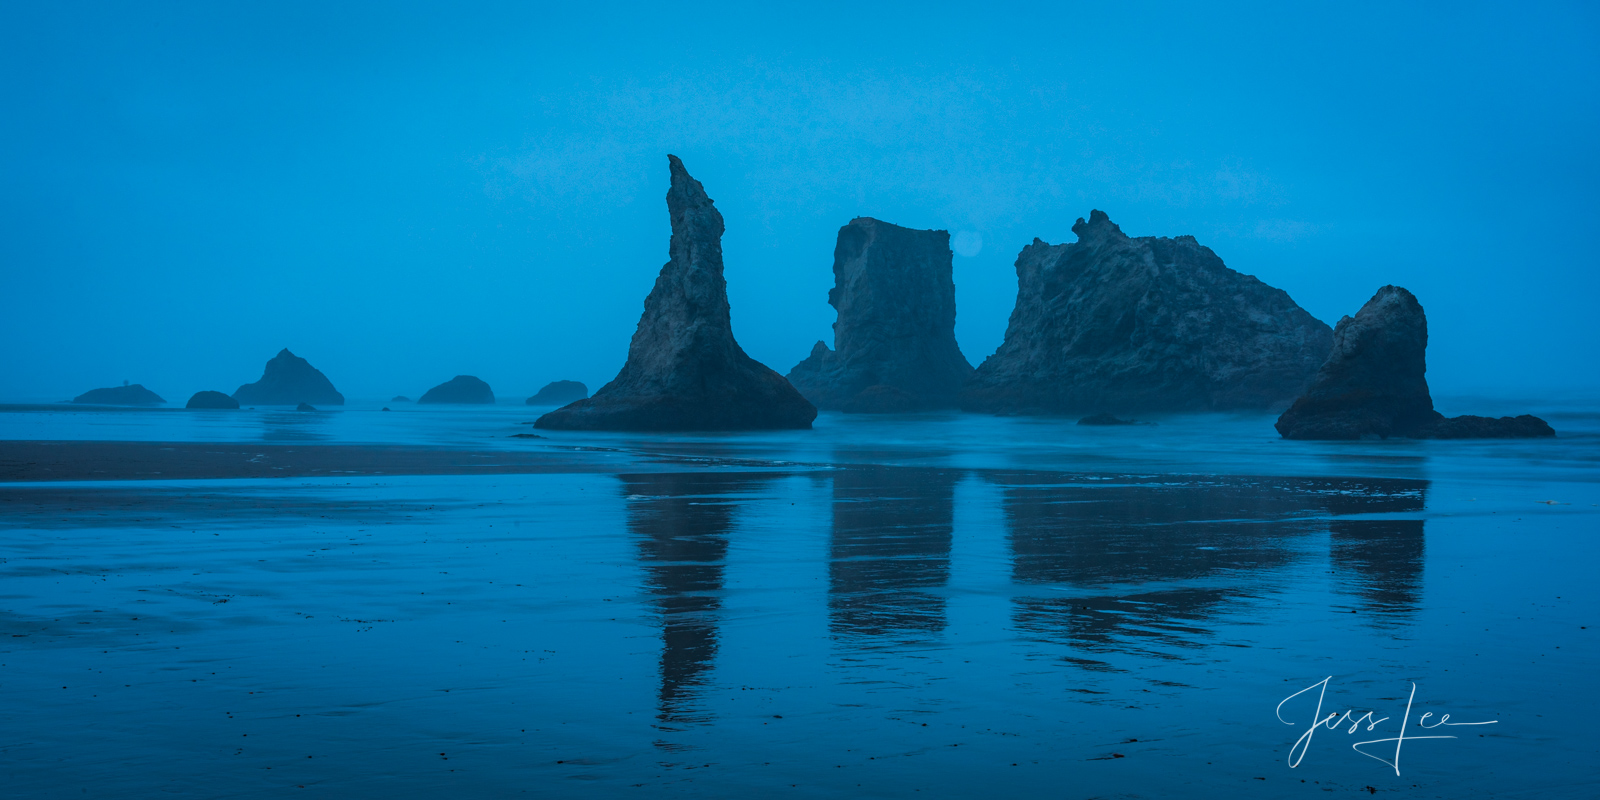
(1374, 384)
(289, 380)
(464, 389)
(559, 393)
(684, 369)
(212, 401)
(125, 395)
(896, 332)
(1114, 324)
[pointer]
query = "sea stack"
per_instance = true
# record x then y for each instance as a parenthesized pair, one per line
(1374, 384)
(684, 369)
(559, 393)
(1114, 324)
(461, 389)
(289, 380)
(212, 401)
(124, 395)
(896, 331)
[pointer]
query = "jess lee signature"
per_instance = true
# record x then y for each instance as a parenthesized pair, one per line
(1335, 720)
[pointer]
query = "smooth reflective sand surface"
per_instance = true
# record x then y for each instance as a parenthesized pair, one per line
(957, 607)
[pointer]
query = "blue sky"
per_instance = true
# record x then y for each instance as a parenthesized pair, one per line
(403, 193)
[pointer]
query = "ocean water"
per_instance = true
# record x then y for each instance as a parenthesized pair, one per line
(931, 605)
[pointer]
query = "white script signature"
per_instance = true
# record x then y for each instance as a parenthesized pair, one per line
(1335, 720)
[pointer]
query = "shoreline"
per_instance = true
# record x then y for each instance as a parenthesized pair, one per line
(55, 461)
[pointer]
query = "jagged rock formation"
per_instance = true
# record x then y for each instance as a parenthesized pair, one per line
(460, 389)
(684, 369)
(305, 407)
(135, 395)
(1374, 384)
(289, 380)
(896, 332)
(1118, 324)
(211, 400)
(559, 393)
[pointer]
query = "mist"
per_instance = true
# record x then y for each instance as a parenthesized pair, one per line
(402, 195)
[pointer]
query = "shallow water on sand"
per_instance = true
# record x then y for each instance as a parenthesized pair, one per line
(940, 606)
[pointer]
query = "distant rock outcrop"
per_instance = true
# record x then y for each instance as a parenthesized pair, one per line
(399, 398)
(305, 407)
(460, 389)
(289, 380)
(211, 400)
(1107, 420)
(1144, 324)
(559, 393)
(125, 395)
(684, 369)
(896, 332)
(1374, 384)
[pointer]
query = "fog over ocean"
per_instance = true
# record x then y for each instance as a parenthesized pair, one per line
(924, 442)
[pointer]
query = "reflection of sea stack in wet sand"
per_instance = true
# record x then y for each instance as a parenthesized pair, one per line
(1117, 324)
(211, 400)
(559, 393)
(1374, 384)
(896, 334)
(684, 369)
(460, 389)
(124, 395)
(289, 380)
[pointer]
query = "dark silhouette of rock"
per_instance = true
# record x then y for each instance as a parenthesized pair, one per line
(1374, 384)
(684, 369)
(460, 389)
(124, 395)
(1144, 324)
(385, 408)
(211, 400)
(559, 393)
(289, 380)
(896, 332)
(305, 407)
(399, 398)
(1467, 426)
(1107, 419)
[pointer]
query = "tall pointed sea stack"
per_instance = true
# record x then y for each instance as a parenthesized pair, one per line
(1375, 386)
(896, 332)
(684, 369)
(1118, 324)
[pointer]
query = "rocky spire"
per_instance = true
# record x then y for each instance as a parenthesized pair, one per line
(684, 369)
(896, 300)
(1374, 383)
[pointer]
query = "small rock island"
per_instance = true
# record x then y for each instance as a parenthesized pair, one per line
(1117, 324)
(1375, 386)
(684, 369)
(464, 389)
(896, 331)
(287, 381)
(559, 393)
(124, 395)
(211, 400)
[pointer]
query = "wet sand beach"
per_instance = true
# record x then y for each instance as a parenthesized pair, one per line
(759, 615)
